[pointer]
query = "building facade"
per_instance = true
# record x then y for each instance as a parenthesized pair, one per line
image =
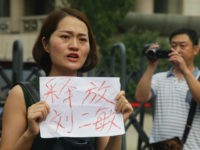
(22, 19)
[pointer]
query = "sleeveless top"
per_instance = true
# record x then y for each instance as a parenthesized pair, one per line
(31, 92)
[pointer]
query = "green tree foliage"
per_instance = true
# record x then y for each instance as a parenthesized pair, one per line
(106, 17)
(135, 39)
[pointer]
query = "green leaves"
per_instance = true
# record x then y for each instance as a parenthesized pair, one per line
(104, 16)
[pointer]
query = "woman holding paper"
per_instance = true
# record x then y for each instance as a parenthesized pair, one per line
(64, 47)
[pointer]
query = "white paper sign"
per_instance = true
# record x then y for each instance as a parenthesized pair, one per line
(81, 107)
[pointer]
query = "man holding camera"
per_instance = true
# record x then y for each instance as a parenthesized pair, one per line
(173, 93)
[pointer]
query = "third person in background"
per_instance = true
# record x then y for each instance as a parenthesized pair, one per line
(172, 92)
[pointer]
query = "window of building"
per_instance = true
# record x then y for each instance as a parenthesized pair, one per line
(160, 6)
(4, 8)
(38, 7)
(168, 6)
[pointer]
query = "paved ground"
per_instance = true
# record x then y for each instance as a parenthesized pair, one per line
(132, 135)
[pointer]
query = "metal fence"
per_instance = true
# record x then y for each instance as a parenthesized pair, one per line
(16, 70)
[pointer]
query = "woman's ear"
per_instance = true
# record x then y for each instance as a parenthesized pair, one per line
(45, 44)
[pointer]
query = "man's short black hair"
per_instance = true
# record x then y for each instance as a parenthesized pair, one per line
(190, 32)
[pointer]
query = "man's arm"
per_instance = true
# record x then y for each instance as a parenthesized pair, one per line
(193, 84)
(143, 90)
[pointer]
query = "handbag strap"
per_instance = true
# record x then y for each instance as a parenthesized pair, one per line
(190, 118)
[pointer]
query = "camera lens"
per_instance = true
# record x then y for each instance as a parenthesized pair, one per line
(151, 54)
(157, 53)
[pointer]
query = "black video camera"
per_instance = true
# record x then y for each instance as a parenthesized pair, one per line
(156, 53)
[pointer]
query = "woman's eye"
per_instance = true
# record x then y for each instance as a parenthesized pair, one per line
(83, 39)
(64, 36)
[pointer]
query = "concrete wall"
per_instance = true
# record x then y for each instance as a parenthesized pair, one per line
(191, 7)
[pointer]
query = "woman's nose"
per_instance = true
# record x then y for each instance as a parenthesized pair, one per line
(73, 43)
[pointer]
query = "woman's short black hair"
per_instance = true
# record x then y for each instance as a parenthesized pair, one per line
(42, 58)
